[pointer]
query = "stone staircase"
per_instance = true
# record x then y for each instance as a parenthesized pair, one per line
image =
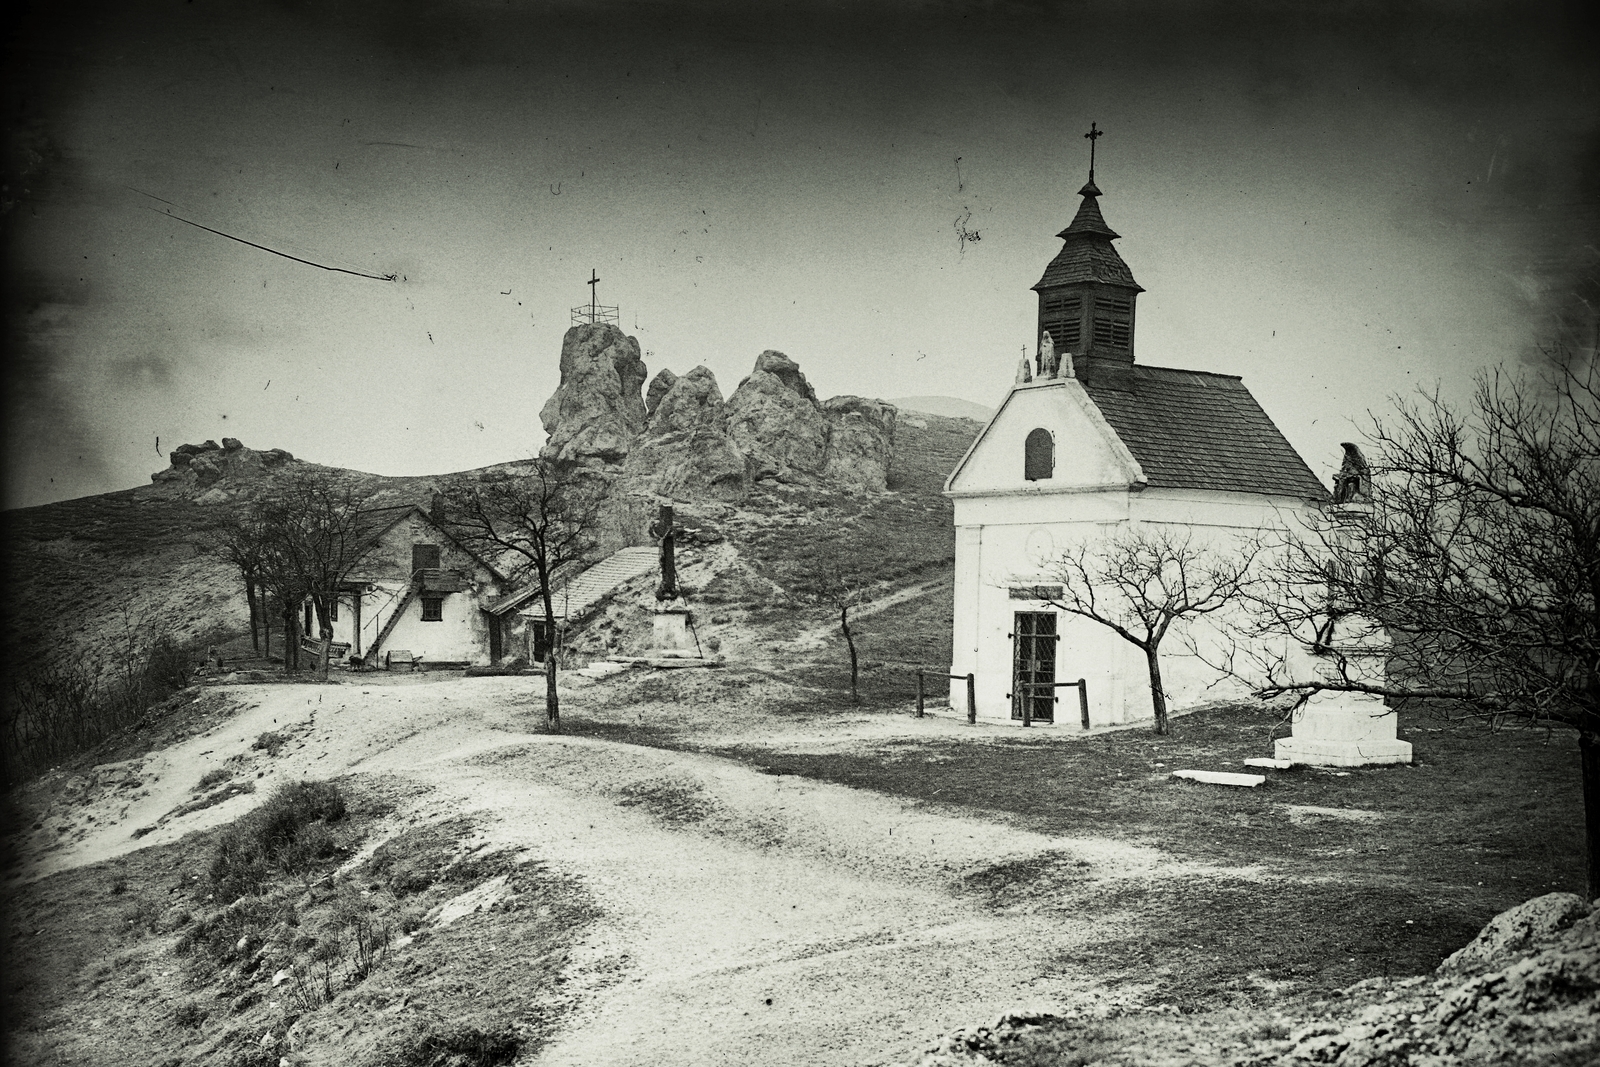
(585, 590)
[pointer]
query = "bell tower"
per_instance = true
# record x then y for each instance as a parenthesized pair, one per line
(1087, 294)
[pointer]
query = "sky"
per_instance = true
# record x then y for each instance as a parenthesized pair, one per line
(1338, 202)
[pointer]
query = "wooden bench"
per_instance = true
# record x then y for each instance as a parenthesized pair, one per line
(401, 659)
(337, 650)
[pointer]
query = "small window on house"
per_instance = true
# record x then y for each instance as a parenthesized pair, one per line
(333, 610)
(1039, 455)
(424, 558)
(433, 609)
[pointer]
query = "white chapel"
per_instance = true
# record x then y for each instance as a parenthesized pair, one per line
(1088, 442)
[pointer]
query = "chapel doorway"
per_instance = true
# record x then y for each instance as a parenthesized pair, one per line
(1034, 641)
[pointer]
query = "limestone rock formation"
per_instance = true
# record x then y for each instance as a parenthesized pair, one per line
(197, 468)
(685, 452)
(860, 442)
(681, 439)
(597, 411)
(774, 418)
(658, 389)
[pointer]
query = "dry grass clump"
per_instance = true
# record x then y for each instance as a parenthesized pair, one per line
(289, 833)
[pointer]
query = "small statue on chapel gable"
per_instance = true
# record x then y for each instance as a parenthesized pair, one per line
(1047, 355)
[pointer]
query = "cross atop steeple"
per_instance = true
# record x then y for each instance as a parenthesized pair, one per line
(1094, 134)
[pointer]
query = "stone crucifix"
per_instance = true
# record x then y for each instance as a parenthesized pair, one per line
(664, 531)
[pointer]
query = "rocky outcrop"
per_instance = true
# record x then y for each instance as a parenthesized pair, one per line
(860, 442)
(1526, 991)
(659, 385)
(685, 451)
(774, 418)
(196, 468)
(681, 439)
(598, 410)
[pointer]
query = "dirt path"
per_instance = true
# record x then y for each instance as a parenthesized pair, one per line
(749, 918)
(817, 635)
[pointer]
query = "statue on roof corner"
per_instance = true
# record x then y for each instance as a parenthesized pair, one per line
(1047, 355)
(1353, 483)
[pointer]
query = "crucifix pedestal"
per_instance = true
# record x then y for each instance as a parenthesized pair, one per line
(670, 634)
(1336, 729)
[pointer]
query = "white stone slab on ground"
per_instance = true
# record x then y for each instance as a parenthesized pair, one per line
(1268, 763)
(1249, 781)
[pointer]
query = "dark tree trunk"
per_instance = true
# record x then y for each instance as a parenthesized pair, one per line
(1589, 752)
(291, 641)
(1158, 696)
(552, 702)
(850, 642)
(250, 597)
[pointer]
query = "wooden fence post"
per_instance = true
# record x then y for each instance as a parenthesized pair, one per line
(972, 699)
(919, 694)
(1083, 701)
(1027, 702)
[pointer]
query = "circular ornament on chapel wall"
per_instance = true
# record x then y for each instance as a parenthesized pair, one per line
(1040, 547)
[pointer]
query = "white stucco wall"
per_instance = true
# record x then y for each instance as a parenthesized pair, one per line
(1008, 531)
(463, 633)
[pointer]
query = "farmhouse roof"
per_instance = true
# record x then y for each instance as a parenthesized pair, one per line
(373, 524)
(1197, 430)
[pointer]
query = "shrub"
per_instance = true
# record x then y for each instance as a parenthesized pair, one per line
(55, 709)
(270, 742)
(211, 778)
(288, 833)
(467, 1046)
(189, 1014)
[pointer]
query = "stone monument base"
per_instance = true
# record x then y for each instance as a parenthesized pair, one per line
(1343, 730)
(670, 636)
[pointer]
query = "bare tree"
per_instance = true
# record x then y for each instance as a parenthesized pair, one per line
(239, 539)
(1477, 552)
(1138, 583)
(536, 523)
(303, 541)
(841, 593)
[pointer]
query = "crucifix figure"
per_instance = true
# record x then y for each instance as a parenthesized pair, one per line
(664, 531)
(1094, 135)
(594, 279)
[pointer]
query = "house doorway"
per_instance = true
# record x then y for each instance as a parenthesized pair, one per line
(1033, 669)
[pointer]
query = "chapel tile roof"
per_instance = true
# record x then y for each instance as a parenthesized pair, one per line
(1197, 430)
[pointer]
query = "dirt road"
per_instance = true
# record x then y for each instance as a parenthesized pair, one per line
(749, 918)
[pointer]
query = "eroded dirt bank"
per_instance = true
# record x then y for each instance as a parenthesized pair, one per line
(746, 917)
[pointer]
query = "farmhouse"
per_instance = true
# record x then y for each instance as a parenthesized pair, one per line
(1086, 444)
(415, 590)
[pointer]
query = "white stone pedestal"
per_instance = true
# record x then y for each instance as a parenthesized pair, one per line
(670, 631)
(1335, 729)
(1343, 730)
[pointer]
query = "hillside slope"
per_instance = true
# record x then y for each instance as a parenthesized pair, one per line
(92, 572)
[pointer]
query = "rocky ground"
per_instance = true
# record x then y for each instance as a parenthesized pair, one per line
(1526, 991)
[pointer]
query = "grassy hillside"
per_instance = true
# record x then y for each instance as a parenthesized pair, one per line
(99, 577)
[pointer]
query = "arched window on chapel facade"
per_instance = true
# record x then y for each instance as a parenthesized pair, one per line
(1039, 455)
